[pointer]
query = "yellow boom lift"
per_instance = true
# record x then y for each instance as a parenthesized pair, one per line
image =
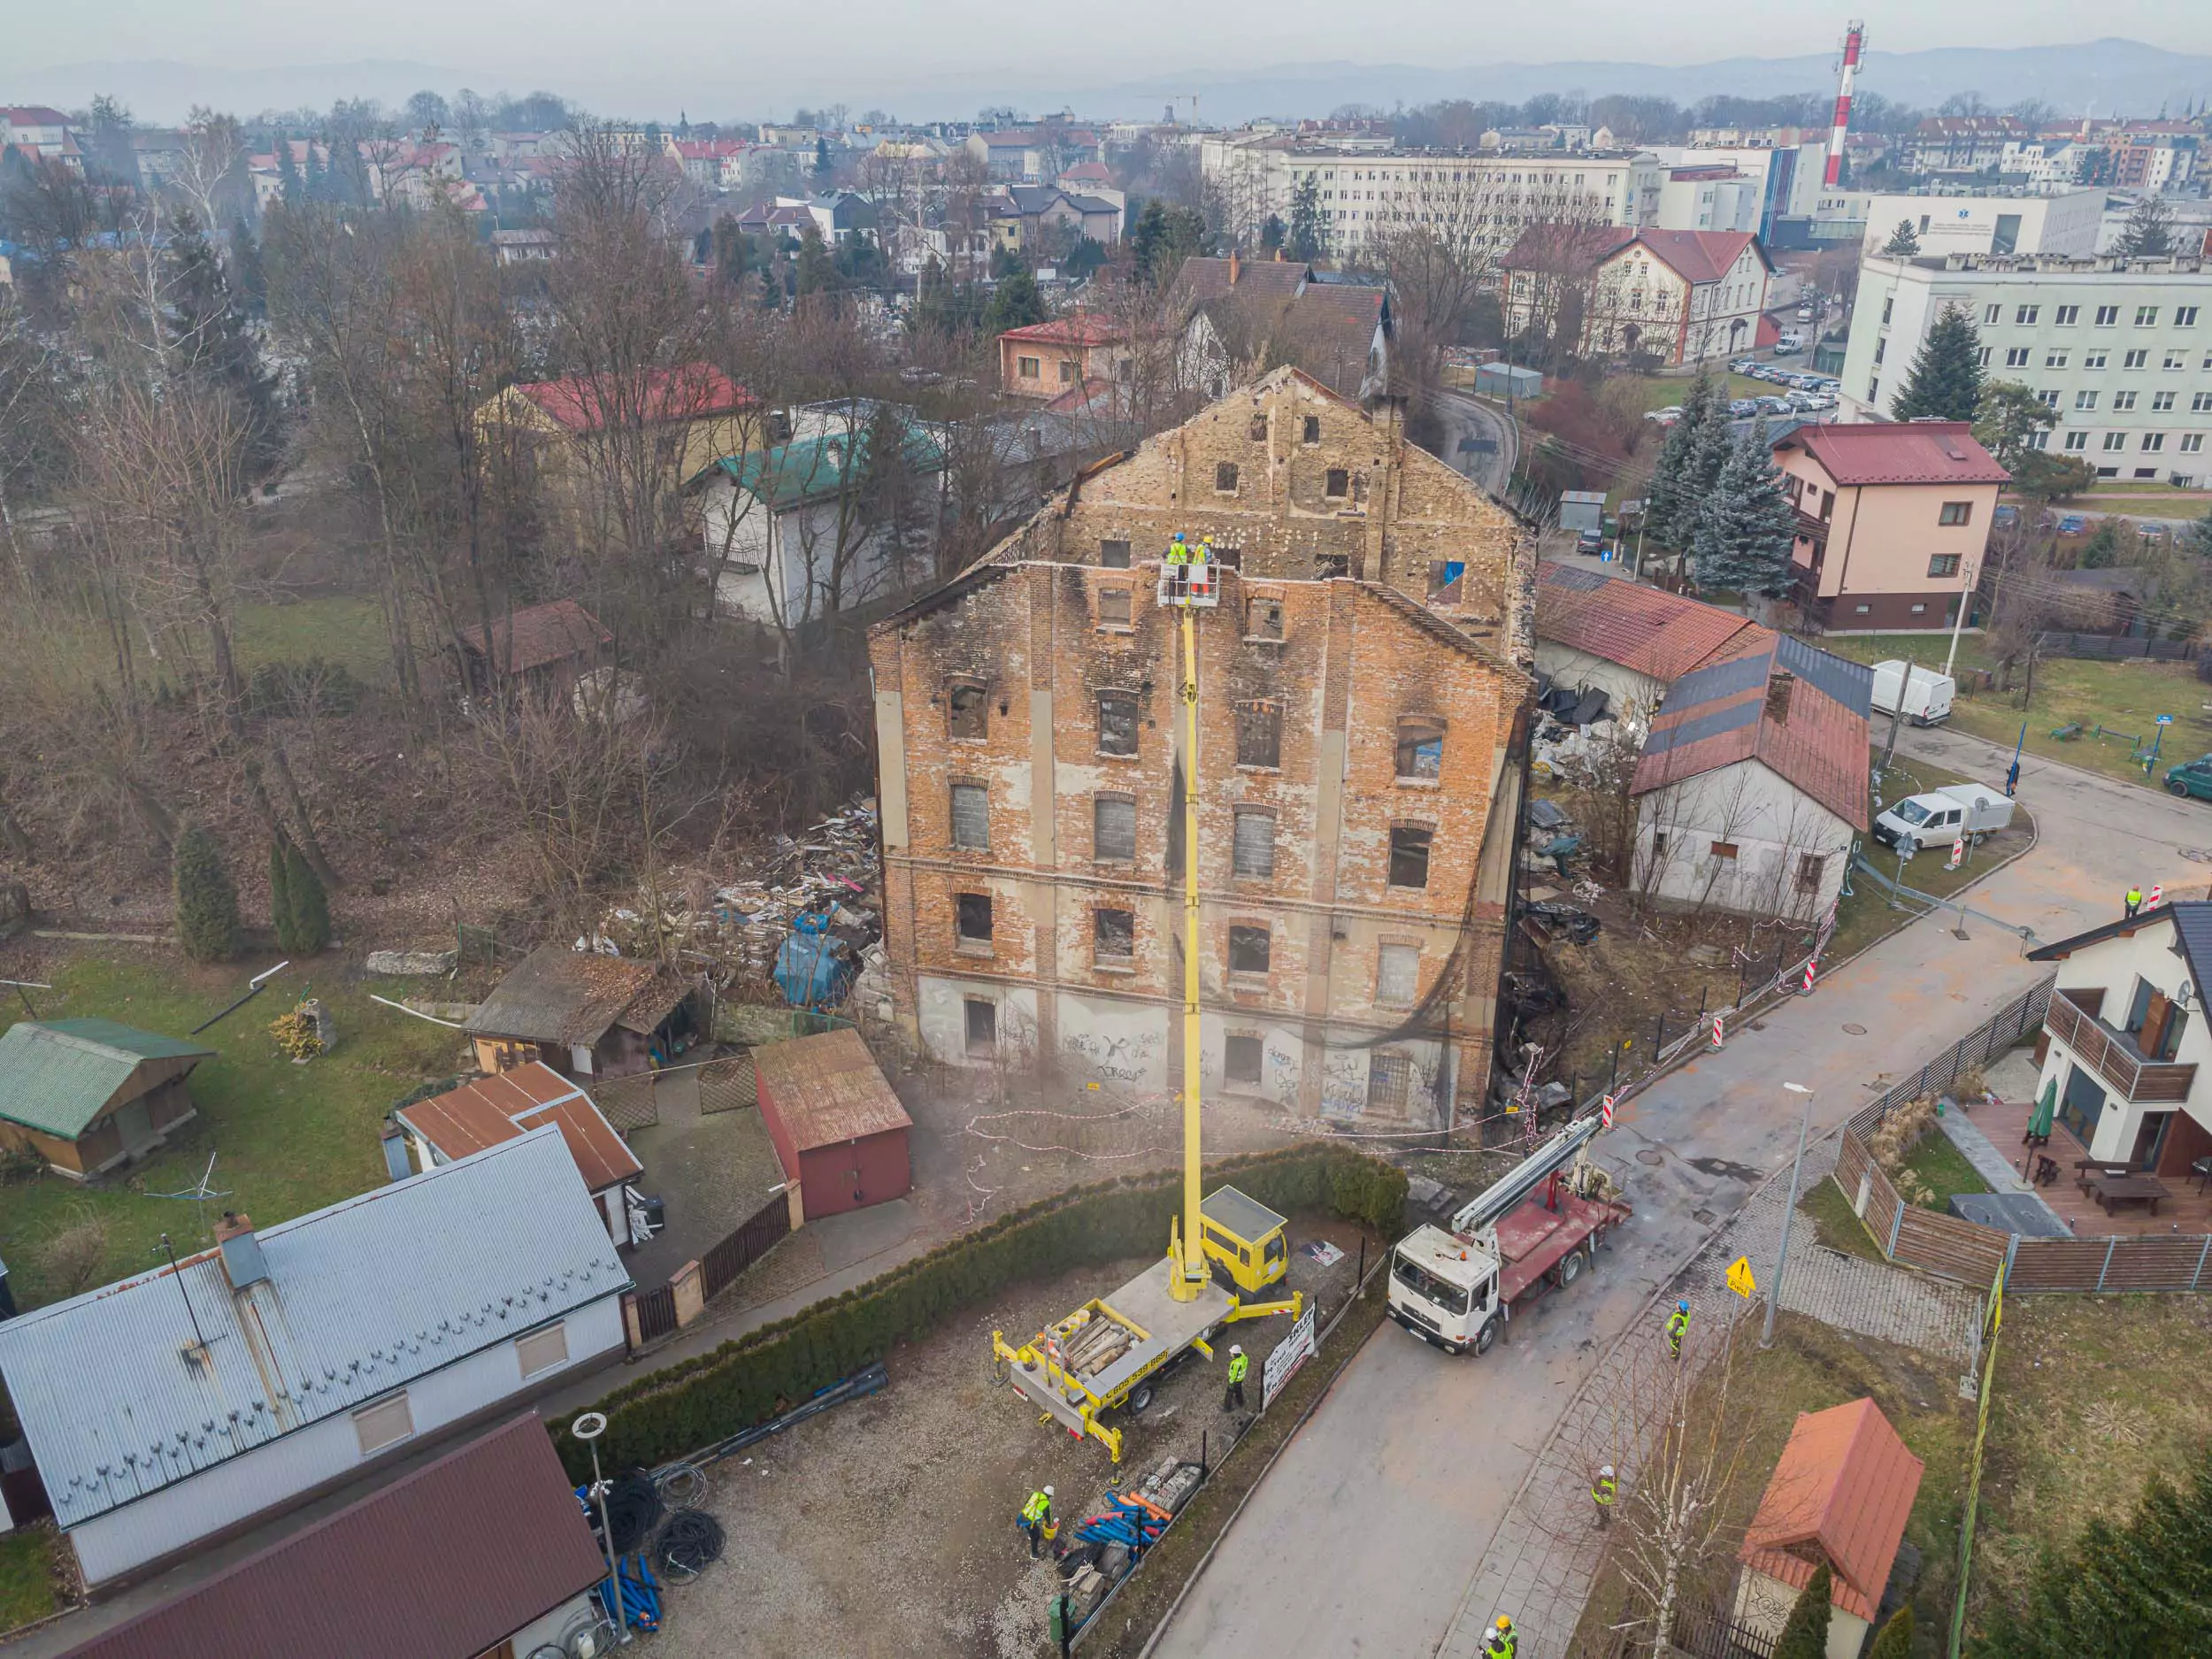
(1112, 1351)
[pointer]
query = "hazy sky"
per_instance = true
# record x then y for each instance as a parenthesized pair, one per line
(758, 42)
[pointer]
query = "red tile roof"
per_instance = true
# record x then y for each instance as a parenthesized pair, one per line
(1083, 328)
(586, 402)
(1700, 256)
(1732, 709)
(1899, 452)
(1844, 1488)
(36, 115)
(540, 634)
(1696, 256)
(825, 1089)
(446, 1564)
(489, 1110)
(1654, 633)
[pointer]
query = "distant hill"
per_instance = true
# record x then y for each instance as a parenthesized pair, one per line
(2106, 76)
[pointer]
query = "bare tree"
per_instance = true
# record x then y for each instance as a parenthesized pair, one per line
(206, 175)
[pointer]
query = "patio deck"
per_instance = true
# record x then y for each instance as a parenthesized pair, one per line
(2186, 1208)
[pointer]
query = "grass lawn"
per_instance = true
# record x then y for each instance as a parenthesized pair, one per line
(1941, 1168)
(1867, 915)
(26, 1576)
(2123, 696)
(347, 629)
(2093, 1394)
(1811, 1367)
(1829, 1210)
(288, 1139)
(1658, 392)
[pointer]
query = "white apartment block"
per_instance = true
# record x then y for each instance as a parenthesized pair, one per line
(2120, 351)
(2064, 223)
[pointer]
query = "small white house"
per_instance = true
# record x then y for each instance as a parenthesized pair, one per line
(1753, 781)
(1599, 632)
(2127, 1050)
(795, 532)
(169, 1410)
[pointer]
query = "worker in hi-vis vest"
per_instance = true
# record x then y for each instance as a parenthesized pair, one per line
(1037, 1520)
(1233, 1399)
(1503, 1641)
(1603, 1491)
(1677, 1323)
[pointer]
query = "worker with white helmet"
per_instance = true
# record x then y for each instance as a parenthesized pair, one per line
(1233, 1399)
(1037, 1520)
(1503, 1641)
(1603, 1491)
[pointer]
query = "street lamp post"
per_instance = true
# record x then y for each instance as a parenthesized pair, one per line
(1782, 1257)
(587, 1429)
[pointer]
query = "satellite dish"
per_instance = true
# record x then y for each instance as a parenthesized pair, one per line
(2182, 996)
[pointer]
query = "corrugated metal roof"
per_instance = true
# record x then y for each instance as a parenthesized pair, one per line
(1844, 1488)
(362, 1298)
(413, 1569)
(827, 1089)
(57, 1075)
(488, 1110)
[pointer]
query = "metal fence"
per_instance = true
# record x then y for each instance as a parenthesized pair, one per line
(728, 1086)
(1702, 1632)
(2112, 647)
(2015, 1020)
(720, 1266)
(628, 1102)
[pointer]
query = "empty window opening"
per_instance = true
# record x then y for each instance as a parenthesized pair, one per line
(1327, 565)
(972, 816)
(1225, 477)
(1259, 428)
(1113, 607)
(1114, 829)
(1809, 868)
(1114, 554)
(972, 917)
(1253, 850)
(1117, 723)
(1312, 430)
(1248, 949)
(1262, 617)
(1420, 750)
(1114, 934)
(1259, 734)
(1242, 1056)
(969, 713)
(1340, 483)
(982, 1027)
(1410, 857)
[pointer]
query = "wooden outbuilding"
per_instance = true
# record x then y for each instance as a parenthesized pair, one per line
(839, 1131)
(586, 1015)
(88, 1094)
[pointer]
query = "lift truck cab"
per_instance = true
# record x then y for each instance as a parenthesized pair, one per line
(1246, 1238)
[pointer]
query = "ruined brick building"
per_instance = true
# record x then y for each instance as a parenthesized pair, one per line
(1362, 695)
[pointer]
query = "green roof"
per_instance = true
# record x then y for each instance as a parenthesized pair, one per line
(58, 1075)
(814, 469)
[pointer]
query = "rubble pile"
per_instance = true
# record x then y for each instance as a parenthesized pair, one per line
(736, 928)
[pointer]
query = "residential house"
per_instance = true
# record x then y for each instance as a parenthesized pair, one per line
(36, 127)
(1095, 179)
(1961, 143)
(88, 1094)
(838, 1130)
(1752, 781)
(526, 246)
(1892, 519)
(586, 1015)
(778, 219)
(481, 1553)
(486, 1112)
(172, 1408)
(1033, 155)
(418, 173)
(1247, 313)
(689, 416)
(1840, 1496)
(1022, 214)
(1046, 359)
(1599, 632)
(2119, 350)
(712, 164)
(2125, 1044)
(159, 155)
(1679, 296)
(545, 649)
(1357, 771)
(797, 532)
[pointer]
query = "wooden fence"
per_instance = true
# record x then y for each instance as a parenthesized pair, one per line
(2175, 1261)
(721, 1265)
(654, 1312)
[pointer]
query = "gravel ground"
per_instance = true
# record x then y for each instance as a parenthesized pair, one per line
(887, 1527)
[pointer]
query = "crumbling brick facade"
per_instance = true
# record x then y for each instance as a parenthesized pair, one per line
(1358, 766)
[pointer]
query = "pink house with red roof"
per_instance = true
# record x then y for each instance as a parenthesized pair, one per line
(1047, 359)
(1892, 520)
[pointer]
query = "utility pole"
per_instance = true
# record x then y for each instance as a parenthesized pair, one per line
(1782, 1256)
(1966, 604)
(1896, 716)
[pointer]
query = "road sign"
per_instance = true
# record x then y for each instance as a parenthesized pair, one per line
(1739, 1279)
(2165, 719)
(1292, 1352)
(1717, 1033)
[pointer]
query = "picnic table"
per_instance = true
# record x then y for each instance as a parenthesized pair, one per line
(2086, 1170)
(2111, 1191)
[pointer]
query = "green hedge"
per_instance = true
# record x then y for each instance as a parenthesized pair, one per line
(753, 1378)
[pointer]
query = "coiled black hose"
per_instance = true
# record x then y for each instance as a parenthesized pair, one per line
(690, 1541)
(633, 1506)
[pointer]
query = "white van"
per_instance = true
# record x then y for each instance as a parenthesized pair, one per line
(1927, 698)
(1942, 816)
(1789, 344)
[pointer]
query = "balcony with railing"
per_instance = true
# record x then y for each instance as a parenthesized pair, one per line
(2113, 1056)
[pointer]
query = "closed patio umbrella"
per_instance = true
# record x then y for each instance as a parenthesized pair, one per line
(2046, 1107)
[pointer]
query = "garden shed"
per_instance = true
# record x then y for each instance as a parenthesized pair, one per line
(87, 1094)
(839, 1131)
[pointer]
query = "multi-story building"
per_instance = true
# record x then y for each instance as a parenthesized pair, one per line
(1362, 697)
(2120, 351)
(1678, 296)
(1961, 143)
(2065, 223)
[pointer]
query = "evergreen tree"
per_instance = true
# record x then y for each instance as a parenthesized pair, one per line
(1894, 1640)
(1946, 379)
(2149, 231)
(1165, 237)
(309, 905)
(733, 252)
(822, 166)
(1664, 500)
(1806, 1634)
(1746, 527)
(206, 902)
(817, 272)
(2197, 538)
(1306, 238)
(1902, 243)
(2102, 551)
(281, 888)
(1272, 232)
(1015, 303)
(1709, 447)
(288, 173)
(207, 327)
(2006, 420)
(314, 178)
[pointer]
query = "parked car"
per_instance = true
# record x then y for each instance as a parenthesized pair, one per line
(1789, 345)
(2192, 778)
(1665, 416)
(2072, 523)
(2006, 514)
(1744, 365)
(1926, 700)
(1743, 407)
(1590, 543)
(1775, 406)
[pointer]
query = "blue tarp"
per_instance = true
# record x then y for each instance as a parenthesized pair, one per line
(813, 967)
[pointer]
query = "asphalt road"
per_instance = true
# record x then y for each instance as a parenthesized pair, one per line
(1366, 1533)
(1468, 421)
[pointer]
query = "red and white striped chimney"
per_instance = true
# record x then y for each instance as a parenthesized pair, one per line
(1853, 42)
